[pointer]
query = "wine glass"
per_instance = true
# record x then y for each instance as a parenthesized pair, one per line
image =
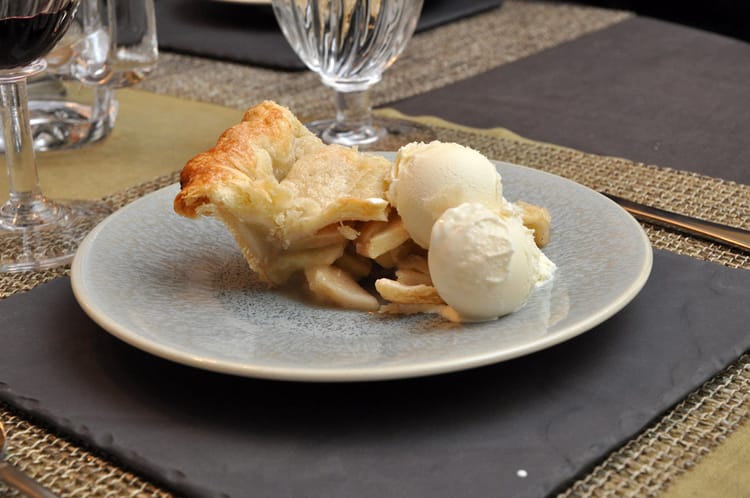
(349, 43)
(35, 232)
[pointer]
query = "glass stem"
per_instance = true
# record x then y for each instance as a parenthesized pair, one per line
(353, 124)
(353, 110)
(26, 205)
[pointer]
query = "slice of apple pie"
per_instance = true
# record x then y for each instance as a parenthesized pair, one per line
(298, 206)
(289, 200)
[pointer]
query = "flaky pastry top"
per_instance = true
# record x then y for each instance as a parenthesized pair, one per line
(276, 186)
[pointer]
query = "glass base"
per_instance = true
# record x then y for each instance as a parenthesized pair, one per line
(59, 125)
(64, 116)
(48, 239)
(384, 134)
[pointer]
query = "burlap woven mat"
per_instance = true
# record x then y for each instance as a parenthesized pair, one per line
(643, 467)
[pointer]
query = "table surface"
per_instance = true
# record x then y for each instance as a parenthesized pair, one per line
(602, 82)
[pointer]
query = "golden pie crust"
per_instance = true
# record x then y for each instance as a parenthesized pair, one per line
(288, 199)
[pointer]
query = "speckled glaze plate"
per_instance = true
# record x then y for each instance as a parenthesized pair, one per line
(179, 289)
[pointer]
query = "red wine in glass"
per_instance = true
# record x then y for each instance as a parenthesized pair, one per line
(25, 38)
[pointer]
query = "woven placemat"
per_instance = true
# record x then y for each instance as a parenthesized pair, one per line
(433, 59)
(642, 467)
(65, 468)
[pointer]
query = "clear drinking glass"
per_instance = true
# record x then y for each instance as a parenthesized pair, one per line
(349, 43)
(135, 50)
(71, 104)
(110, 44)
(35, 232)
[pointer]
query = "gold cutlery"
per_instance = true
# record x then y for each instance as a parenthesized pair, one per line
(724, 234)
(15, 477)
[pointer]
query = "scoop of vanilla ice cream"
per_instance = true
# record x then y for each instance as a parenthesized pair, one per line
(484, 263)
(427, 179)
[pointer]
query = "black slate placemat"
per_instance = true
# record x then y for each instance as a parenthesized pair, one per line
(249, 33)
(551, 415)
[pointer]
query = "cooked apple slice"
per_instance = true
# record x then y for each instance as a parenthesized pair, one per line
(325, 237)
(378, 237)
(397, 292)
(413, 308)
(537, 219)
(415, 262)
(337, 286)
(355, 265)
(413, 277)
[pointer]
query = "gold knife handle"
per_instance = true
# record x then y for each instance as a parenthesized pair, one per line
(717, 232)
(13, 476)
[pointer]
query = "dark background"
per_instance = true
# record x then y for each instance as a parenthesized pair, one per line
(728, 17)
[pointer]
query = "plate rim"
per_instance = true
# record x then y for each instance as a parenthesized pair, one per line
(354, 374)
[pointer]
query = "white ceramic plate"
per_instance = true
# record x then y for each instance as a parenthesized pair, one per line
(180, 289)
